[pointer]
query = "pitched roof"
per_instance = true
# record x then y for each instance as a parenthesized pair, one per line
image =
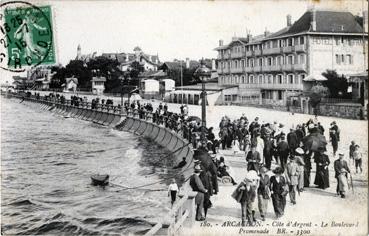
(327, 22)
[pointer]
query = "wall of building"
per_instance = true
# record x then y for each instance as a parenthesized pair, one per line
(325, 52)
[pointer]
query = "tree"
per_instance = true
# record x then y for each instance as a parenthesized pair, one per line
(336, 84)
(77, 69)
(58, 77)
(108, 68)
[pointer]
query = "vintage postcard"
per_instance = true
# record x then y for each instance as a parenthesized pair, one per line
(184, 117)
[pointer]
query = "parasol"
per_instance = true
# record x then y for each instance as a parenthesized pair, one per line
(314, 142)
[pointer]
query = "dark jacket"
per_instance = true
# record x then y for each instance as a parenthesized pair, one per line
(263, 188)
(244, 196)
(338, 166)
(196, 184)
(277, 188)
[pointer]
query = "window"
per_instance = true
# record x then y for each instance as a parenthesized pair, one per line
(302, 59)
(279, 79)
(289, 60)
(338, 59)
(260, 79)
(251, 79)
(290, 42)
(349, 59)
(275, 44)
(302, 40)
(243, 63)
(235, 64)
(269, 61)
(280, 95)
(343, 59)
(290, 79)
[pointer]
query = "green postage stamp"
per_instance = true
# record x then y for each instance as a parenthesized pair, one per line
(26, 36)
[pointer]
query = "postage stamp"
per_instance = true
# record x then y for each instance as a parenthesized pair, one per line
(27, 36)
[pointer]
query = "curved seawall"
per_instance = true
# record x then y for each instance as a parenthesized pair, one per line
(112, 116)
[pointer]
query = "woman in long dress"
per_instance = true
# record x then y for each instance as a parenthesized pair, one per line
(278, 189)
(322, 173)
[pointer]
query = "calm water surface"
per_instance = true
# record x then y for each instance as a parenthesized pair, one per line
(46, 164)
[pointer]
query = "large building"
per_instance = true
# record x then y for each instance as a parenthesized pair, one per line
(270, 68)
(125, 59)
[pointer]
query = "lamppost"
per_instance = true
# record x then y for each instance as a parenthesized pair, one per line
(203, 73)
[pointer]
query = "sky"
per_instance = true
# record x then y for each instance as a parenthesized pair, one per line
(171, 29)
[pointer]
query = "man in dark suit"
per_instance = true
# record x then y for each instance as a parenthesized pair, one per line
(342, 170)
(197, 186)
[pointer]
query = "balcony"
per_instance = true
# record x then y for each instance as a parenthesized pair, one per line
(269, 51)
(237, 70)
(257, 52)
(287, 49)
(237, 55)
(287, 67)
(299, 67)
(276, 68)
(300, 48)
(227, 56)
(281, 86)
(248, 69)
(248, 53)
(257, 68)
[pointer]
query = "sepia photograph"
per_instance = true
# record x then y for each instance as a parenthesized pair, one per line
(195, 117)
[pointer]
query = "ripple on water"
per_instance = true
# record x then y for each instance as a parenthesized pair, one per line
(46, 166)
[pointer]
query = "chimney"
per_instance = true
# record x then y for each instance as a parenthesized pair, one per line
(187, 63)
(220, 42)
(313, 20)
(365, 21)
(289, 23)
(213, 67)
(249, 37)
(266, 32)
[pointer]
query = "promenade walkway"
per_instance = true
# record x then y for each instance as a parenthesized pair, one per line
(314, 206)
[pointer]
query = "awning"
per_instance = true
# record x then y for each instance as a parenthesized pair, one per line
(316, 77)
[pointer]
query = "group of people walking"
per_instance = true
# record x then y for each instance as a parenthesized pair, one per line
(291, 155)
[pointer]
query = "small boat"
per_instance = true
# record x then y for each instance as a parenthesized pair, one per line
(101, 180)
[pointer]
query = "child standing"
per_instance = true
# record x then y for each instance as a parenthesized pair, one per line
(172, 191)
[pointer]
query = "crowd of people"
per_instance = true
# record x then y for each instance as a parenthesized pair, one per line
(266, 146)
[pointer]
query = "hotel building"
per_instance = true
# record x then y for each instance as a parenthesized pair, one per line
(270, 68)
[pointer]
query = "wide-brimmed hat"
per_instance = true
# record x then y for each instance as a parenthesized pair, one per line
(341, 154)
(197, 168)
(278, 170)
(333, 123)
(263, 169)
(299, 151)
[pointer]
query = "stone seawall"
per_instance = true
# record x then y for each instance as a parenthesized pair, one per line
(113, 117)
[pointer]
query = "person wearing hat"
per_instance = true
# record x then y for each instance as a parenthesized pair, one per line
(282, 151)
(253, 159)
(352, 149)
(278, 190)
(213, 168)
(245, 194)
(341, 171)
(322, 173)
(268, 151)
(292, 140)
(334, 135)
(263, 192)
(299, 152)
(206, 180)
(222, 170)
(197, 186)
(292, 178)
